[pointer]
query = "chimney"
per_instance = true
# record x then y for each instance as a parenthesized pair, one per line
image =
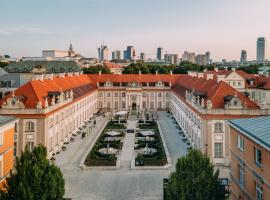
(99, 73)
(61, 75)
(216, 69)
(233, 69)
(120, 72)
(171, 72)
(140, 72)
(156, 72)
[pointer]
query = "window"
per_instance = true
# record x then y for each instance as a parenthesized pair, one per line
(1, 166)
(144, 94)
(159, 94)
(15, 127)
(240, 143)
(123, 104)
(116, 104)
(108, 105)
(218, 127)
(100, 94)
(218, 150)
(259, 191)
(239, 83)
(30, 145)
(152, 105)
(144, 104)
(241, 176)
(123, 94)
(116, 94)
(108, 94)
(258, 157)
(30, 126)
(233, 83)
(159, 104)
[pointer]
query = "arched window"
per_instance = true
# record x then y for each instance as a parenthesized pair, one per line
(218, 127)
(30, 126)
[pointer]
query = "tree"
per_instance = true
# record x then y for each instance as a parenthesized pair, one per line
(194, 178)
(34, 178)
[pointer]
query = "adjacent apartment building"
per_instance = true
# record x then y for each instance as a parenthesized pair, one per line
(7, 127)
(250, 158)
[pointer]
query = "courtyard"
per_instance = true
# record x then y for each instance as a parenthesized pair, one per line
(123, 183)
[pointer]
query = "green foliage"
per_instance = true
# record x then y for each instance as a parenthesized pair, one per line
(96, 69)
(252, 69)
(145, 68)
(34, 178)
(194, 179)
(3, 64)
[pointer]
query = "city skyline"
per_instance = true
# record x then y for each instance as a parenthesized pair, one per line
(175, 29)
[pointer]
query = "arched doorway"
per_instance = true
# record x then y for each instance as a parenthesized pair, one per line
(134, 106)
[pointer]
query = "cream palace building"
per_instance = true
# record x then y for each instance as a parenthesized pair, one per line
(52, 108)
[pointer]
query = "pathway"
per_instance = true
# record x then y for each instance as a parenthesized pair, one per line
(122, 184)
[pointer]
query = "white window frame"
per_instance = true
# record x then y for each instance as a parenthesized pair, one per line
(241, 143)
(241, 176)
(256, 157)
(221, 150)
(259, 191)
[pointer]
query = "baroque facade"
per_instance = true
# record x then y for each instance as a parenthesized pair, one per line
(50, 109)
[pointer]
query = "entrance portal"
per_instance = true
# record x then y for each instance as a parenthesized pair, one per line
(134, 106)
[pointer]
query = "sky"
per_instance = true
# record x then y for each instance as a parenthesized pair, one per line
(223, 27)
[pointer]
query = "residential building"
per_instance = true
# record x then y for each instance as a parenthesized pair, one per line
(7, 127)
(116, 55)
(250, 158)
(261, 49)
(171, 59)
(160, 54)
(243, 56)
(255, 87)
(201, 59)
(201, 107)
(103, 53)
(188, 56)
(115, 68)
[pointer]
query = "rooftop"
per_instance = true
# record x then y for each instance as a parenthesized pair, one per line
(257, 129)
(6, 119)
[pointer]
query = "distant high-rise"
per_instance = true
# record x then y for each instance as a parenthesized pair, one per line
(160, 55)
(201, 59)
(116, 55)
(103, 53)
(243, 56)
(261, 49)
(208, 59)
(131, 53)
(142, 56)
(188, 56)
(171, 59)
(125, 54)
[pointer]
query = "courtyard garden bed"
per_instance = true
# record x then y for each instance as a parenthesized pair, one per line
(106, 148)
(150, 149)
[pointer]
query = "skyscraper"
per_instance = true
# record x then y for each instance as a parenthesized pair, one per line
(208, 59)
(116, 55)
(243, 56)
(103, 53)
(160, 53)
(261, 49)
(131, 53)
(188, 56)
(171, 59)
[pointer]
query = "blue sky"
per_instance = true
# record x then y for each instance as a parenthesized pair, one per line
(223, 27)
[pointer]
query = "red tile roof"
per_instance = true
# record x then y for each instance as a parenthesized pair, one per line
(38, 90)
(110, 65)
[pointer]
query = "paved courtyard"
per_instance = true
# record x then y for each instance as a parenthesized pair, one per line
(121, 184)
